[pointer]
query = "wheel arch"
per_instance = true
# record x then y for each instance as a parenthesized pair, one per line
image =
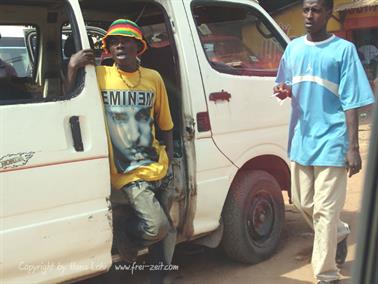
(273, 165)
(269, 157)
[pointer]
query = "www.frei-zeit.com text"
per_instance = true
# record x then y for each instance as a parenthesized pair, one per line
(145, 267)
(45, 267)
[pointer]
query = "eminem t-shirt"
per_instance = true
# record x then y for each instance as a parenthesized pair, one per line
(133, 101)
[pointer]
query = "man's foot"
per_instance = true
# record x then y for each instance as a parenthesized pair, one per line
(341, 251)
(126, 248)
(329, 282)
(304, 254)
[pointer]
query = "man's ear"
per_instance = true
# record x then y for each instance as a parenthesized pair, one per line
(329, 13)
(140, 45)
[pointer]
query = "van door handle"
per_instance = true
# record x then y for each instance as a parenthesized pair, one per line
(76, 133)
(220, 96)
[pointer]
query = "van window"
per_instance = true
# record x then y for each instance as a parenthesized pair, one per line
(237, 39)
(31, 65)
(14, 57)
(16, 67)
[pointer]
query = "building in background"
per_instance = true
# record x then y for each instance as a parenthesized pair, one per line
(360, 25)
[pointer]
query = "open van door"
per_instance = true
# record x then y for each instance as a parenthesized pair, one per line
(55, 221)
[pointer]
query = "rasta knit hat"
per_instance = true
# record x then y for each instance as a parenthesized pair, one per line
(122, 27)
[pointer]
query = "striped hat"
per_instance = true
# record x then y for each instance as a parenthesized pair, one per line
(122, 27)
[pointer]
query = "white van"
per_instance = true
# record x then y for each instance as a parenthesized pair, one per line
(218, 60)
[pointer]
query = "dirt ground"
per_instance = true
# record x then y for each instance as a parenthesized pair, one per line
(291, 263)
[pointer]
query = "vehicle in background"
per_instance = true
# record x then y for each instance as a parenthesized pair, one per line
(13, 50)
(18, 46)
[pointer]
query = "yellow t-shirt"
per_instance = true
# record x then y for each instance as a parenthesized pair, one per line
(130, 114)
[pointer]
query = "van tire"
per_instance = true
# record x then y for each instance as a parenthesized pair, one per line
(253, 217)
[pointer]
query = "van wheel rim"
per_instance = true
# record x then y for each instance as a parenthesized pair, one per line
(260, 217)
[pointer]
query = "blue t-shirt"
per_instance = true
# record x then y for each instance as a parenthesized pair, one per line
(327, 78)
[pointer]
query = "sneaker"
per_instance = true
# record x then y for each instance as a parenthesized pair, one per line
(126, 248)
(341, 251)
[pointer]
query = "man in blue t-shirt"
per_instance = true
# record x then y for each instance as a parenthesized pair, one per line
(327, 84)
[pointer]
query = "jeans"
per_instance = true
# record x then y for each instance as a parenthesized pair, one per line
(150, 224)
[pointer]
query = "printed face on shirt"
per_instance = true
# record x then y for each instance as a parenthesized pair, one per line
(131, 131)
(130, 125)
(316, 16)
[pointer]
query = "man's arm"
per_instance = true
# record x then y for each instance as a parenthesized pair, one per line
(353, 158)
(167, 137)
(77, 61)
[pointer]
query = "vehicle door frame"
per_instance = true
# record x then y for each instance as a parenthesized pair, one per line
(365, 265)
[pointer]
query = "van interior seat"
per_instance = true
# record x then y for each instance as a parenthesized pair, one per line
(14, 88)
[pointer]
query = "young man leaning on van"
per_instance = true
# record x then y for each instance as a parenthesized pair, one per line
(134, 97)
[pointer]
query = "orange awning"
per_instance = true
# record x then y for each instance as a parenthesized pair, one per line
(356, 4)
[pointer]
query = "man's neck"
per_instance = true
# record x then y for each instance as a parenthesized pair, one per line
(320, 36)
(128, 67)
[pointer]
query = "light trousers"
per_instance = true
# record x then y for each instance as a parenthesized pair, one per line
(319, 194)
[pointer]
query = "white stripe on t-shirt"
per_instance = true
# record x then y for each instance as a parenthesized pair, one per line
(334, 88)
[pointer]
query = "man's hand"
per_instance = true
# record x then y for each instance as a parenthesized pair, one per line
(282, 91)
(353, 161)
(82, 58)
(353, 158)
(77, 61)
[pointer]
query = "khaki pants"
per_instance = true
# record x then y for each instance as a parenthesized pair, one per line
(319, 194)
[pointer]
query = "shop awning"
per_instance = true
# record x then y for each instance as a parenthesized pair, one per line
(356, 4)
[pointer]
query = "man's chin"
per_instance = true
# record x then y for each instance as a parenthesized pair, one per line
(309, 30)
(121, 61)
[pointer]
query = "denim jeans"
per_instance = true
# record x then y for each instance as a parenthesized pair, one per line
(150, 224)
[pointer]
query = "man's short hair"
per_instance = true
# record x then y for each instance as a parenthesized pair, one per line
(328, 4)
